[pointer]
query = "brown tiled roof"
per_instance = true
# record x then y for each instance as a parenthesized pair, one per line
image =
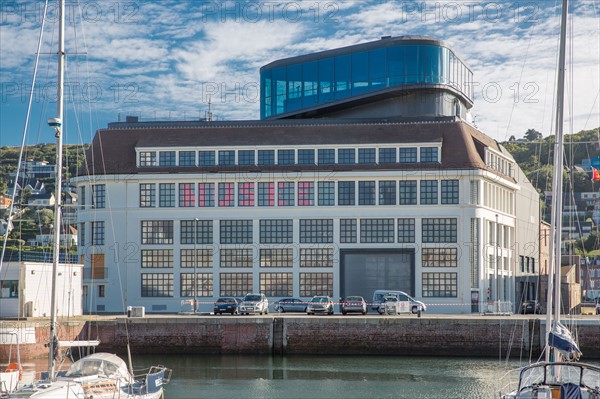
(113, 150)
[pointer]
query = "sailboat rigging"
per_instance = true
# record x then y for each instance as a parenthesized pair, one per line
(99, 375)
(559, 375)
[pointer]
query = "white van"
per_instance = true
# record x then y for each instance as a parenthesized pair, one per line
(378, 295)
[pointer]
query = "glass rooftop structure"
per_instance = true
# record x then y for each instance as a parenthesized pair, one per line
(313, 83)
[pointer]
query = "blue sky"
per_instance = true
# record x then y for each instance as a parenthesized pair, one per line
(163, 59)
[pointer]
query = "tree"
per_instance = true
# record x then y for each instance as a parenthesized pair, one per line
(532, 135)
(45, 218)
(512, 138)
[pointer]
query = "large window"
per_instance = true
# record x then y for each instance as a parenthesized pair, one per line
(286, 157)
(326, 193)
(97, 233)
(276, 231)
(376, 230)
(157, 231)
(429, 154)
(203, 286)
(312, 284)
(366, 155)
(440, 285)
(408, 192)
(236, 257)
(408, 155)
(246, 194)
(226, 158)
(200, 231)
(10, 289)
(198, 257)
(316, 257)
(206, 194)
(439, 257)
(147, 195)
(439, 230)
(306, 157)
(316, 231)
(306, 193)
(157, 258)
(206, 158)
(157, 284)
(387, 155)
(266, 157)
(387, 192)
(99, 196)
(346, 193)
(285, 194)
(406, 230)
(226, 194)
(449, 191)
(276, 284)
(348, 231)
(366, 193)
(187, 158)
(326, 156)
(429, 192)
(246, 157)
(266, 194)
(147, 158)
(166, 195)
(235, 284)
(166, 158)
(280, 257)
(346, 156)
(187, 195)
(236, 231)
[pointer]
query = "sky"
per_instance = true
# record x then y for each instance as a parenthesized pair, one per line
(163, 59)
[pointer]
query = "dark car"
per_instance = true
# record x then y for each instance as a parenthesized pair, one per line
(226, 305)
(354, 304)
(290, 305)
(531, 307)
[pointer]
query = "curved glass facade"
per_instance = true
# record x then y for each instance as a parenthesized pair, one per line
(294, 87)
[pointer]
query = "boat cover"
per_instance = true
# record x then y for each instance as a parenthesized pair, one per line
(570, 391)
(561, 339)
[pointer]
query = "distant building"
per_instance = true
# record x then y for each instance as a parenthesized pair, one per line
(66, 240)
(41, 200)
(32, 170)
(5, 202)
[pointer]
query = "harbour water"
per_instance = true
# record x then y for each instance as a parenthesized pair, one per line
(329, 377)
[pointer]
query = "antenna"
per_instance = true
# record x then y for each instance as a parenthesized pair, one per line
(208, 114)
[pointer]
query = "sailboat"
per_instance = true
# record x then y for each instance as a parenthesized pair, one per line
(560, 375)
(99, 375)
(12, 374)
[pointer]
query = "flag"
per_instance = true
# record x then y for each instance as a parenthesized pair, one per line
(595, 174)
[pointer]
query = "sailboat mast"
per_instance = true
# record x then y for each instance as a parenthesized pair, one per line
(554, 284)
(56, 123)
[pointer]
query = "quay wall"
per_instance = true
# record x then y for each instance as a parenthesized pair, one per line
(335, 335)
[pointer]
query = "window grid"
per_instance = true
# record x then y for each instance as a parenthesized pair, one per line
(187, 195)
(346, 156)
(99, 196)
(326, 193)
(449, 191)
(266, 157)
(348, 231)
(246, 194)
(326, 156)
(166, 195)
(429, 192)
(157, 232)
(316, 257)
(306, 157)
(306, 193)
(440, 285)
(276, 231)
(316, 231)
(376, 230)
(206, 158)
(366, 155)
(279, 257)
(226, 194)
(187, 158)
(285, 194)
(387, 155)
(429, 154)
(406, 230)
(204, 285)
(226, 158)
(286, 157)
(97, 233)
(157, 258)
(408, 192)
(439, 257)
(157, 284)
(236, 232)
(148, 158)
(312, 284)
(235, 284)
(200, 230)
(203, 258)
(166, 158)
(408, 155)
(366, 193)
(276, 284)
(346, 193)
(236, 257)
(206, 194)
(439, 230)
(266, 194)
(246, 157)
(147, 195)
(387, 192)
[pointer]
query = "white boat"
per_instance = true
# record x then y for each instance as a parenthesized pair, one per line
(99, 375)
(13, 372)
(560, 376)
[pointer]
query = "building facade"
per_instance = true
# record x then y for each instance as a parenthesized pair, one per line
(384, 187)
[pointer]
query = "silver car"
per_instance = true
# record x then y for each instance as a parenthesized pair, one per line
(320, 304)
(290, 305)
(354, 304)
(254, 304)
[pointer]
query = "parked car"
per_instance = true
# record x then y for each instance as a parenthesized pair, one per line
(290, 305)
(226, 304)
(254, 304)
(320, 304)
(532, 307)
(354, 304)
(378, 295)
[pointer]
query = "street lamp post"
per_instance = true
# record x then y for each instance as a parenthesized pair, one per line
(497, 266)
(195, 261)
